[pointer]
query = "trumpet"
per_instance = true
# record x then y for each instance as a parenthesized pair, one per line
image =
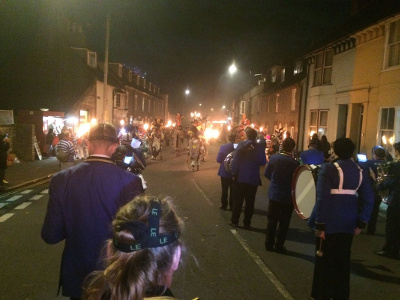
(383, 173)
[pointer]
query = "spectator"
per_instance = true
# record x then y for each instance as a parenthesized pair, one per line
(4, 147)
(226, 177)
(49, 142)
(83, 201)
(66, 147)
(312, 156)
(247, 160)
(326, 147)
(392, 183)
(280, 171)
(342, 209)
(142, 255)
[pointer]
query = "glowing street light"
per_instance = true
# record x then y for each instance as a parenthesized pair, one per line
(232, 69)
(187, 92)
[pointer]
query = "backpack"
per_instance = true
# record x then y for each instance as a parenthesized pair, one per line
(61, 155)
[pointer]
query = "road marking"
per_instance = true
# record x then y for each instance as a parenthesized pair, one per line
(3, 204)
(13, 198)
(202, 192)
(5, 217)
(23, 205)
(46, 191)
(37, 197)
(275, 281)
(26, 191)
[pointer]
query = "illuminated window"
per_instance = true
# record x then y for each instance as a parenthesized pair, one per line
(318, 122)
(386, 128)
(242, 107)
(394, 44)
(298, 67)
(323, 68)
(293, 100)
(283, 71)
(142, 103)
(92, 59)
(277, 103)
(117, 100)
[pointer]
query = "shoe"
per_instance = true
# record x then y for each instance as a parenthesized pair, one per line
(233, 224)
(5, 181)
(247, 227)
(281, 250)
(269, 248)
(387, 254)
(222, 207)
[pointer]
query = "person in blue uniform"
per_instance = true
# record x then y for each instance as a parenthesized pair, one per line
(392, 183)
(226, 177)
(247, 160)
(342, 209)
(280, 171)
(378, 157)
(83, 201)
(312, 156)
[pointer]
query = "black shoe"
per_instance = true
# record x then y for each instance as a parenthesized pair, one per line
(222, 207)
(281, 250)
(269, 248)
(233, 224)
(247, 226)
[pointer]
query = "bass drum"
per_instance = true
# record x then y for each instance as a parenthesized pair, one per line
(304, 191)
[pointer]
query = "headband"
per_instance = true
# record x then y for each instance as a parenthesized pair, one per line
(145, 236)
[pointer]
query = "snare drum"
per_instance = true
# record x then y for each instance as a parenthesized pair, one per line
(304, 191)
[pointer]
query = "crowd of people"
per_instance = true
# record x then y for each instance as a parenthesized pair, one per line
(143, 246)
(348, 196)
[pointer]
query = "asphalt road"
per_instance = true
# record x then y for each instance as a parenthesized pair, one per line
(220, 262)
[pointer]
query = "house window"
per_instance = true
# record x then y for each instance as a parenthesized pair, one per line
(386, 128)
(323, 68)
(92, 59)
(273, 75)
(242, 107)
(318, 122)
(142, 103)
(149, 105)
(277, 103)
(298, 68)
(293, 100)
(136, 102)
(120, 70)
(394, 44)
(283, 71)
(130, 76)
(117, 100)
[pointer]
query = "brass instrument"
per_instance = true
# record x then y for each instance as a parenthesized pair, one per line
(383, 173)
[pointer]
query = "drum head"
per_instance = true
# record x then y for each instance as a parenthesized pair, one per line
(304, 192)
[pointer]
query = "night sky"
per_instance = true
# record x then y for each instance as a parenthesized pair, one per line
(181, 44)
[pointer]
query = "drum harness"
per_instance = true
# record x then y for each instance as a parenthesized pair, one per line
(340, 190)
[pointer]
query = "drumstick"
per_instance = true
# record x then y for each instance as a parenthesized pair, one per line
(320, 253)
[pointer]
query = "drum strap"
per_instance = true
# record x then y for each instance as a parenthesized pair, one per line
(340, 190)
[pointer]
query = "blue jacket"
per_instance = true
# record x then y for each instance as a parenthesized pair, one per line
(312, 157)
(392, 183)
(246, 163)
(224, 150)
(280, 171)
(83, 201)
(336, 212)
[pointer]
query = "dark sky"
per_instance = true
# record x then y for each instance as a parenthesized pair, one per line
(186, 43)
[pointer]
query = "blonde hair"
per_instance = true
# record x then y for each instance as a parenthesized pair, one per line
(141, 273)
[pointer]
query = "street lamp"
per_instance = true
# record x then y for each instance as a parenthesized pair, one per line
(232, 69)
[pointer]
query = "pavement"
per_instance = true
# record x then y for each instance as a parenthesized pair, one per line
(23, 173)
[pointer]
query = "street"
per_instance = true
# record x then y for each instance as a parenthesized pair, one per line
(220, 262)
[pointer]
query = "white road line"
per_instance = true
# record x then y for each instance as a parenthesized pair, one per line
(5, 217)
(26, 191)
(23, 205)
(37, 197)
(275, 281)
(3, 204)
(46, 191)
(13, 198)
(202, 192)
